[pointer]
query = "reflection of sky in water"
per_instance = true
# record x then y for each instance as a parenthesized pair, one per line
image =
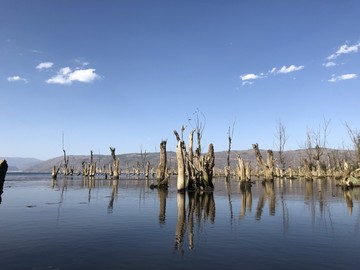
(71, 224)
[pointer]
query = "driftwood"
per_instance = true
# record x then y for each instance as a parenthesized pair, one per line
(3, 170)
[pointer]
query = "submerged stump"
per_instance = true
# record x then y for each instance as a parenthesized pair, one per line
(161, 175)
(268, 166)
(3, 170)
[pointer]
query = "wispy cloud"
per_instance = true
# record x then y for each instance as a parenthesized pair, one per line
(330, 64)
(66, 76)
(343, 77)
(292, 68)
(81, 62)
(44, 65)
(344, 49)
(36, 51)
(250, 77)
(17, 79)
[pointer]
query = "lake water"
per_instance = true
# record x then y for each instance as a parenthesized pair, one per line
(73, 223)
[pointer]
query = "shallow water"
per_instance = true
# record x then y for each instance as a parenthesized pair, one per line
(72, 223)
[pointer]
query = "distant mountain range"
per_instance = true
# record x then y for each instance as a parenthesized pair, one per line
(131, 160)
(21, 164)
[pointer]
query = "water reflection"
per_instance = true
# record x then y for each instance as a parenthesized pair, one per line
(162, 198)
(350, 195)
(201, 207)
(114, 192)
(246, 200)
(268, 194)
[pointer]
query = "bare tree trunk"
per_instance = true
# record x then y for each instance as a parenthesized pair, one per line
(182, 162)
(307, 170)
(116, 164)
(248, 171)
(55, 171)
(241, 169)
(147, 169)
(228, 168)
(3, 170)
(181, 182)
(92, 167)
(161, 169)
(190, 161)
(282, 138)
(207, 165)
(355, 138)
(290, 172)
(268, 167)
(66, 161)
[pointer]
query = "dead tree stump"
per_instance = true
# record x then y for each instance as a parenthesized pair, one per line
(268, 166)
(116, 164)
(241, 168)
(161, 169)
(3, 170)
(181, 163)
(207, 164)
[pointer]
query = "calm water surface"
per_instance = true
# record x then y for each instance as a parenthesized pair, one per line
(73, 223)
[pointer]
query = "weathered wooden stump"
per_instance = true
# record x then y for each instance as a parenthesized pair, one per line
(3, 170)
(268, 166)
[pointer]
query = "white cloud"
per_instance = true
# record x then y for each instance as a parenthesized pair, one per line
(44, 65)
(83, 75)
(289, 69)
(329, 64)
(17, 79)
(343, 77)
(273, 70)
(67, 76)
(344, 49)
(250, 76)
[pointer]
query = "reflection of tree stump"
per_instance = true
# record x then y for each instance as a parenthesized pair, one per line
(3, 170)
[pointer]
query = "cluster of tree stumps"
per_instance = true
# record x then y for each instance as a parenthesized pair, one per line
(195, 171)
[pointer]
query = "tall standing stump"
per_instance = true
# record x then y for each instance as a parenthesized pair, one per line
(3, 170)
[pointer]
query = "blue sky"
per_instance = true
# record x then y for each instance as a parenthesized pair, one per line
(127, 73)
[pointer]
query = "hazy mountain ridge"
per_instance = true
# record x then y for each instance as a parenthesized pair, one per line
(21, 164)
(131, 160)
